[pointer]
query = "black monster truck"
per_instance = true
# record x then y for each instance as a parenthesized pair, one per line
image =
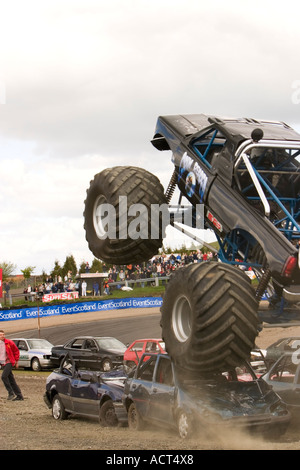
(246, 174)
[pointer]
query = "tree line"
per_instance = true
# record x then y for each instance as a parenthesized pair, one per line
(8, 269)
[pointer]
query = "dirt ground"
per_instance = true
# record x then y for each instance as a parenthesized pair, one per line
(28, 424)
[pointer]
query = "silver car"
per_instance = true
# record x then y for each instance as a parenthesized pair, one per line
(34, 353)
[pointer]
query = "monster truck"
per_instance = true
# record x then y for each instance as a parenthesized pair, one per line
(245, 174)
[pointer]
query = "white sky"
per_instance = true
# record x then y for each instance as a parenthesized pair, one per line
(82, 83)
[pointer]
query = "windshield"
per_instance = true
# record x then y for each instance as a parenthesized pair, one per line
(111, 343)
(39, 343)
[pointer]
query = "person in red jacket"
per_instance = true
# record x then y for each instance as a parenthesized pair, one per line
(9, 356)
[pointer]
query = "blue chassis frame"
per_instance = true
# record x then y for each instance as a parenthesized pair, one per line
(239, 241)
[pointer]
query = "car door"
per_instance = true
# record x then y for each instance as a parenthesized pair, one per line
(84, 393)
(90, 355)
(63, 386)
(162, 397)
(75, 348)
(141, 385)
(24, 360)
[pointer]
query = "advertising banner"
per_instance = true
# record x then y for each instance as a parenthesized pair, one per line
(80, 307)
(60, 296)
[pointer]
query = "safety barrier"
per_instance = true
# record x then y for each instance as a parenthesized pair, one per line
(79, 307)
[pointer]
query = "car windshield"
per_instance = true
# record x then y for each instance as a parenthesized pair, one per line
(110, 343)
(39, 343)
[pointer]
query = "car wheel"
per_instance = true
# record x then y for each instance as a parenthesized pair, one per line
(209, 317)
(139, 187)
(184, 425)
(58, 409)
(107, 416)
(106, 365)
(135, 421)
(35, 365)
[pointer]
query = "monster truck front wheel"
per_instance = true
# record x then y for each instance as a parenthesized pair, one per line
(209, 317)
(128, 239)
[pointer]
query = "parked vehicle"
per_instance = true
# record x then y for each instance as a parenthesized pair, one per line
(72, 391)
(284, 378)
(161, 393)
(92, 352)
(135, 351)
(34, 353)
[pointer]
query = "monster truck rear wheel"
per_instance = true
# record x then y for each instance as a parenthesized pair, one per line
(139, 187)
(209, 317)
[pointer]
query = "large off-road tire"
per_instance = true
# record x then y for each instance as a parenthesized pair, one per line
(209, 317)
(140, 187)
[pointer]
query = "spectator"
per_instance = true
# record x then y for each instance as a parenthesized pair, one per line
(47, 288)
(61, 287)
(96, 288)
(114, 274)
(7, 292)
(83, 288)
(54, 288)
(9, 356)
(106, 287)
(143, 275)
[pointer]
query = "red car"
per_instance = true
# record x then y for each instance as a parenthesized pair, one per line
(139, 347)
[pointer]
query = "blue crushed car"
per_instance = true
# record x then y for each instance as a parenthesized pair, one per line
(88, 393)
(162, 394)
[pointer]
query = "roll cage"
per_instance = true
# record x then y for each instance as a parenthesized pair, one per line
(267, 173)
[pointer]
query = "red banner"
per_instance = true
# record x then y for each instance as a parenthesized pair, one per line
(0, 283)
(60, 296)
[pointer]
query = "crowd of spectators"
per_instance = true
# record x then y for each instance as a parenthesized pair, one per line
(159, 266)
(53, 286)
